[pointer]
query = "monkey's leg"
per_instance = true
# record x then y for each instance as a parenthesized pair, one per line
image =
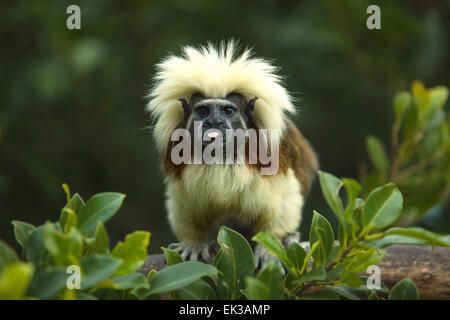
(194, 234)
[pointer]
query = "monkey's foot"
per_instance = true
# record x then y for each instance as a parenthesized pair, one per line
(195, 253)
(262, 257)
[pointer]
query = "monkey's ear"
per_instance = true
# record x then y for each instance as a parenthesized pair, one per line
(186, 107)
(251, 104)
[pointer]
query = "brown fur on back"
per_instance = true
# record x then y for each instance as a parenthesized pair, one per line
(296, 153)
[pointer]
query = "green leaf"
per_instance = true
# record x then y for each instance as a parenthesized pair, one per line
(383, 206)
(179, 275)
(404, 290)
(296, 255)
(271, 276)
(68, 217)
(22, 232)
(373, 296)
(131, 281)
(351, 279)
(236, 262)
(273, 245)
(76, 203)
(66, 248)
(353, 188)
(361, 259)
(256, 289)
(48, 283)
(288, 281)
(402, 100)
(377, 154)
(80, 295)
(383, 288)
(96, 268)
(14, 281)
(172, 257)
(330, 186)
(35, 250)
(394, 239)
(332, 256)
(423, 237)
(321, 230)
(111, 294)
(151, 274)
(101, 207)
(68, 220)
(438, 97)
(321, 295)
(318, 273)
(342, 236)
(100, 243)
(421, 98)
(7, 255)
(142, 293)
(133, 252)
(309, 255)
(347, 292)
(199, 290)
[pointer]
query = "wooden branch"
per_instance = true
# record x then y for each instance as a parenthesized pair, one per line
(428, 268)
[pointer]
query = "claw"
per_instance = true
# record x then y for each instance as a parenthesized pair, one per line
(194, 253)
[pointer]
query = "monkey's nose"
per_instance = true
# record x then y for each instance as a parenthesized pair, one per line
(214, 123)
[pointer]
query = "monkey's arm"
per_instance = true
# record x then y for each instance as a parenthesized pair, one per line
(193, 231)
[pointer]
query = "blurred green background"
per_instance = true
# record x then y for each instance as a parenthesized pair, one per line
(72, 101)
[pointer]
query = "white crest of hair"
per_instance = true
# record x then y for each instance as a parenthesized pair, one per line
(216, 72)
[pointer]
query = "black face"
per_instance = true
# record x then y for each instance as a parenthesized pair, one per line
(218, 114)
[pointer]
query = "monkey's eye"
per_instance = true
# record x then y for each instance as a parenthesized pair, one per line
(229, 111)
(202, 111)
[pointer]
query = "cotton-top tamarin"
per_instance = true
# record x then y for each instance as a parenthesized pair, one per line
(215, 90)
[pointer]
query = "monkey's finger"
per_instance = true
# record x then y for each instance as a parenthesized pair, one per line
(205, 254)
(185, 254)
(173, 246)
(194, 255)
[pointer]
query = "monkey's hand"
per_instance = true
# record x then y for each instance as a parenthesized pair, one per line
(196, 253)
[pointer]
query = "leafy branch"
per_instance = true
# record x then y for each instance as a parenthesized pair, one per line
(419, 153)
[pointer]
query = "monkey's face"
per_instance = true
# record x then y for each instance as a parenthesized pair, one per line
(212, 117)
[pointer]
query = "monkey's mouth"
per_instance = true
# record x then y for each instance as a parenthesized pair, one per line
(211, 135)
